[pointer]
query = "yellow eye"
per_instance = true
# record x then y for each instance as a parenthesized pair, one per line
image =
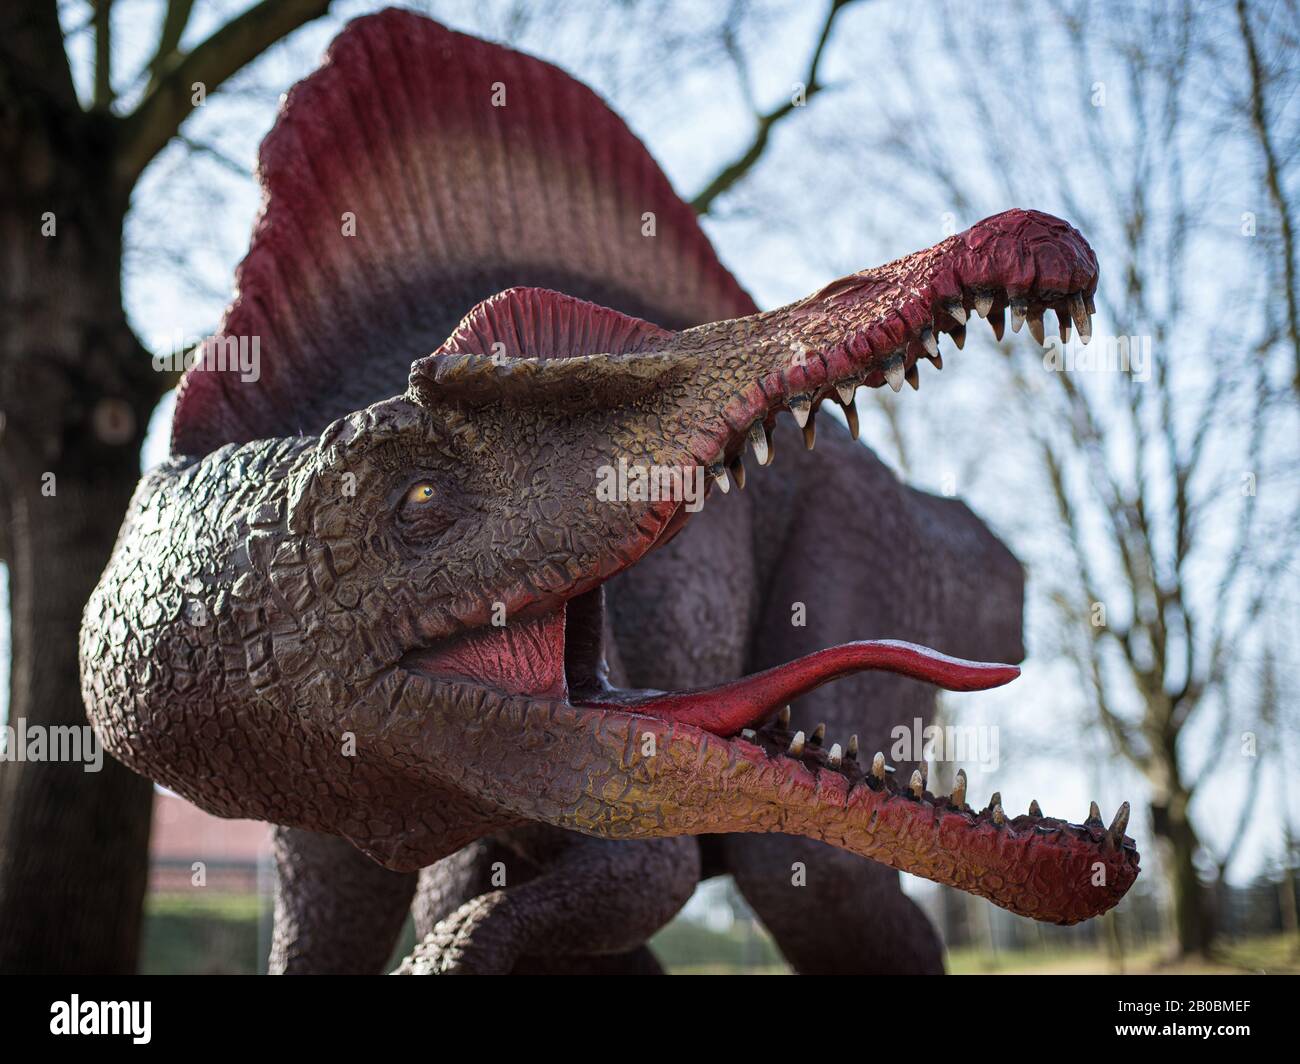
(421, 492)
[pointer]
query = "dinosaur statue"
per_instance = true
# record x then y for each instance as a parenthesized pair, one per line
(389, 600)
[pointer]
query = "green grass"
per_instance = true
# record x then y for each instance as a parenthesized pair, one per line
(202, 933)
(218, 933)
(1272, 954)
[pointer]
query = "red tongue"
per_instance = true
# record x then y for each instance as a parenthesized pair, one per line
(527, 657)
(727, 708)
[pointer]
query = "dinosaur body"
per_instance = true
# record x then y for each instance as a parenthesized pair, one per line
(733, 574)
(367, 596)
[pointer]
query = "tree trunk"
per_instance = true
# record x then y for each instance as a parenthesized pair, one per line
(1193, 925)
(76, 391)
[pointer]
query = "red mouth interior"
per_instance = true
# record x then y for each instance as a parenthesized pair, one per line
(1032, 864)
(561, 655)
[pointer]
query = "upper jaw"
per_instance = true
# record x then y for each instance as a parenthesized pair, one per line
(736, 376)
(875, 327)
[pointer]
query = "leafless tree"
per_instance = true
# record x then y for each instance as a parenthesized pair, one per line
(76, 392)
(1166, 133)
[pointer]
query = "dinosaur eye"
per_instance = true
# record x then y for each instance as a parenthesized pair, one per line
(422, 492)
(428, 507)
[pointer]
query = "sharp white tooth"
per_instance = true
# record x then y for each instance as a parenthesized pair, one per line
(896, 372)
(783, 718)
(959, 341)
(1036, 327)
(810, 433)
(983, 304)
(916, 785)
(996, 799)
(999, 817)
(1035, 809)
(847, 389)
(878, 766)
(851, 415)
(758, 441)
(852, 755)
(1094, 814)
(1082, 321)
(796, 745)
(818, 735)
(928, 341)
(1019, 308)
(955, 311)
(959, 789)
(800, 407)
(719, 473)
(834, 758)
(914, 377)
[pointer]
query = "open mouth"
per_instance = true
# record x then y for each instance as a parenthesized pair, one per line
(561, 656)
(741, 739)
(739, 734)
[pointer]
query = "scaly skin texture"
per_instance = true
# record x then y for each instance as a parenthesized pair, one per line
(365, 611)
(236, 672)
(734, 573)
(336, 911)
(562, 896)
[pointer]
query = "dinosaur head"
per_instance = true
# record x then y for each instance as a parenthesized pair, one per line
(393, 629)
(390, 627)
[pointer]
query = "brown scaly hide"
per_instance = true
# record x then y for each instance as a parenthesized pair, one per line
(261, 641)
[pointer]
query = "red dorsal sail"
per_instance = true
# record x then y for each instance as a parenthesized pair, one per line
(417, 172)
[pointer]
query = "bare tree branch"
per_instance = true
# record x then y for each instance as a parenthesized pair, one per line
(1273, 181)
(103, 92)
(1139, 466)
(767, 121)
(146, 132)
(211, 151)
(175, 20)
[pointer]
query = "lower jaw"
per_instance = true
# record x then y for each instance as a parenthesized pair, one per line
(730, 757)
(674, 779)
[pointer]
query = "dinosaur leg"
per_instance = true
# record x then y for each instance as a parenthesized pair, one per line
(831, 911)
(336, 910)
(468, 874)
(569, 903)
(848, 916)
(910, 566)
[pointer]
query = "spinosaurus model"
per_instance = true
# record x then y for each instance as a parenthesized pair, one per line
(376, 598)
